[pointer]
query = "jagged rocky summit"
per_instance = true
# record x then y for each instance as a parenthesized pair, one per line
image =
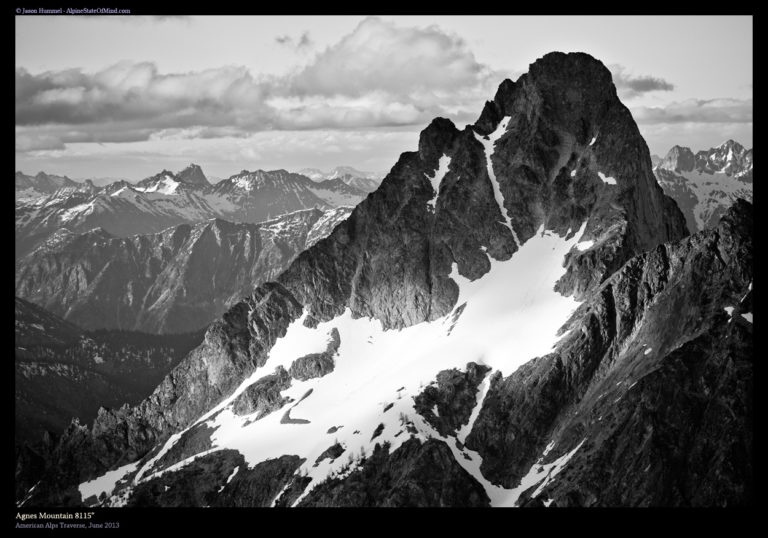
(516, 316)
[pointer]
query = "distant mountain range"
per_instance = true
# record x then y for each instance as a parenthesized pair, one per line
(366, 181)
(45, 204)
(707, 183)
(30, 187)
(173, 281)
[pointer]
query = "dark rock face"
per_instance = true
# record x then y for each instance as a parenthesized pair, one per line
(331, 453)
(652, 376)
(454, 397)
(195, 484)
(193, 175)
(679, 159)
(263, 396)
(416, 474)
(193, 441)
(260, 486)
(175, 281)
(317, 364)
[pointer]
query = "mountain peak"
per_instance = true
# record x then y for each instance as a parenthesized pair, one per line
(439, 134)
(730, 143)
(678, 158)
(193, 175)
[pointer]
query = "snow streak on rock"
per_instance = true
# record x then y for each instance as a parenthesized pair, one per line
(488, 142)
(437, 177)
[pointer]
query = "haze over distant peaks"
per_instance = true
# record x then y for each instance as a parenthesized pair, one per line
(366, 181)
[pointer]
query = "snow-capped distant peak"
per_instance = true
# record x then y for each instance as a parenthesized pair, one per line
(167, 185)
(244, 182)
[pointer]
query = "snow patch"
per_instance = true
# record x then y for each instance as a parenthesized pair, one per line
(607, 179)
(648, 351)
(437, 177)
(105, 483)
(229, 479)
(594, 139)
(729, 310)
(747, 316)
(244, 183)
(77, 210)
(584, 245)
(167, 185)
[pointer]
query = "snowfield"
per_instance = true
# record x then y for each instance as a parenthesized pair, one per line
(502, 326)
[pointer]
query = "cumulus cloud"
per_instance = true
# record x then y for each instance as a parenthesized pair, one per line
(629, 86)
(697, 111)
(380, 55)
(380, 74)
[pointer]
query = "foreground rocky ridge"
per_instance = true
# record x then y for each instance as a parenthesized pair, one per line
(655, 377)
(391, 258)
(175, 281)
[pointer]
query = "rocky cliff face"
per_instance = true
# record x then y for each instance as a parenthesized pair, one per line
(193, 175)
(175, 281)
(705, 185)
(653, 384)
(468, 236)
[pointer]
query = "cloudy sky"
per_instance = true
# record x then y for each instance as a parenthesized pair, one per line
(129, 96)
